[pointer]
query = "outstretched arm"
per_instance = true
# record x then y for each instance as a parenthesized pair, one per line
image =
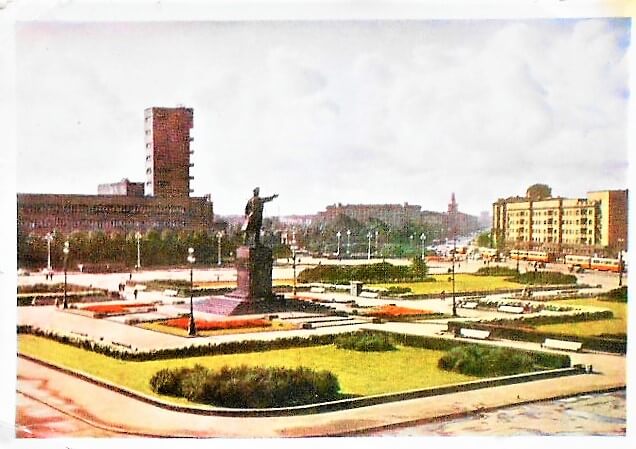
(269, 198)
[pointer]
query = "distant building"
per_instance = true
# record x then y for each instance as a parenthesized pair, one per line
(396, 215)
(458, 223)
(596, 224)
(124, 187)
(122, 206)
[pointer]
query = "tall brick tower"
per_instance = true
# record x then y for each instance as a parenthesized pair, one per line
(168, 152)
(451, 217)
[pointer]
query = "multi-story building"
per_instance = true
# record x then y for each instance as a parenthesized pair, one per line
(398, 215)
(167, 137)
(394, 215)
(122, 206)
(596, 224)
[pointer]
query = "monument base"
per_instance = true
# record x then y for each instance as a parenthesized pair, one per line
(254, 273)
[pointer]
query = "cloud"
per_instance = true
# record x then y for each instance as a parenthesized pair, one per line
(336, 111)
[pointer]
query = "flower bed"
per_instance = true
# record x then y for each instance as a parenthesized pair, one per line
(390, 311)
(109, 309)
(202, 325)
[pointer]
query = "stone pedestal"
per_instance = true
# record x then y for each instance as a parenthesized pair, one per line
(254, 273)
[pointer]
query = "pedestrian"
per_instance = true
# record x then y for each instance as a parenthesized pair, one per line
(51, 275)
(130, 277)
(135, 293)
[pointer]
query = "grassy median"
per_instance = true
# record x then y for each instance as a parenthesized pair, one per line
(463, 283)
(616, 326)
(359, 373)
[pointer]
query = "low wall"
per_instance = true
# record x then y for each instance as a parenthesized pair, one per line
(343, 404)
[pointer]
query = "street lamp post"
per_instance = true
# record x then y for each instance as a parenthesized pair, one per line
(620, 263)
(66, 251)
(338, 235)
(348, 242)
(293, 248)
(49, 238)
(138, 237)
(376, 243)
(192, 328)
(369, 247)
(423, 239)
(219, 235)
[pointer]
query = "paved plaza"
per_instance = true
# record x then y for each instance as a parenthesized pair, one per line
(86, 403)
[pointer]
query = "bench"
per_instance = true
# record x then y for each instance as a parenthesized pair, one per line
(562, 344)
(170, 292)
(474, 333)
(317, 289)
(369, 294)
(469, 305)
(510, 309)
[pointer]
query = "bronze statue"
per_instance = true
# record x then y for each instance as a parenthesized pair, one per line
(254, 216)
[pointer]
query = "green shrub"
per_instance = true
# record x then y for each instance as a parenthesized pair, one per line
(477, 360)
(496, 271)
(251, 387)
(544, 278)
(370, 273)
(617, 295)
(396, 290)
(167, 381)
(365, 342)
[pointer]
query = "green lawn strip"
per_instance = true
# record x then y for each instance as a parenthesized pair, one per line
(159, 327)
(359, 373)
(617, 325)
(463, 283)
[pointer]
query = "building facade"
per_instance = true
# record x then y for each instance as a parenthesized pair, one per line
(167, 139)
(122, 206)
(399, 215)
(591, 225)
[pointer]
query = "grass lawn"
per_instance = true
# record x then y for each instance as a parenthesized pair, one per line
(463, 283)
(359, 373)
(617, 325)
(276, 326)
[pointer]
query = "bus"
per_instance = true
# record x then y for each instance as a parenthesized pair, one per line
(531, 256)
(603, 264)
(574, 261)
(488, 253)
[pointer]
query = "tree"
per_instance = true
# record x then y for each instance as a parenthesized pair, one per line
(484, 240)
(538, 192)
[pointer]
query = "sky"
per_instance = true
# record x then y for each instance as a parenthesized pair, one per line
(367, 111)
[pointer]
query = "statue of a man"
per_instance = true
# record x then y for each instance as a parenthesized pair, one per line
(254, 216)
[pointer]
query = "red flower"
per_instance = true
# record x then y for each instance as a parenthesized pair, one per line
(202, 325)
(394, 311)
(115, 308)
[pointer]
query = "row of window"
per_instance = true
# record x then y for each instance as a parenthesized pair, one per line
(102, 209)
(96, 224)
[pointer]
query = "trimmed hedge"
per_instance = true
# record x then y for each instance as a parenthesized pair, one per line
(365, 342)
(484, 361)
(544, 278)
(248, 387)
(54, 288)
(417, 341)
(369, 273)
(616, 295)
(496, 271)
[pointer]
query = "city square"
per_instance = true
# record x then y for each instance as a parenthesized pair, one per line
(310, 241)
